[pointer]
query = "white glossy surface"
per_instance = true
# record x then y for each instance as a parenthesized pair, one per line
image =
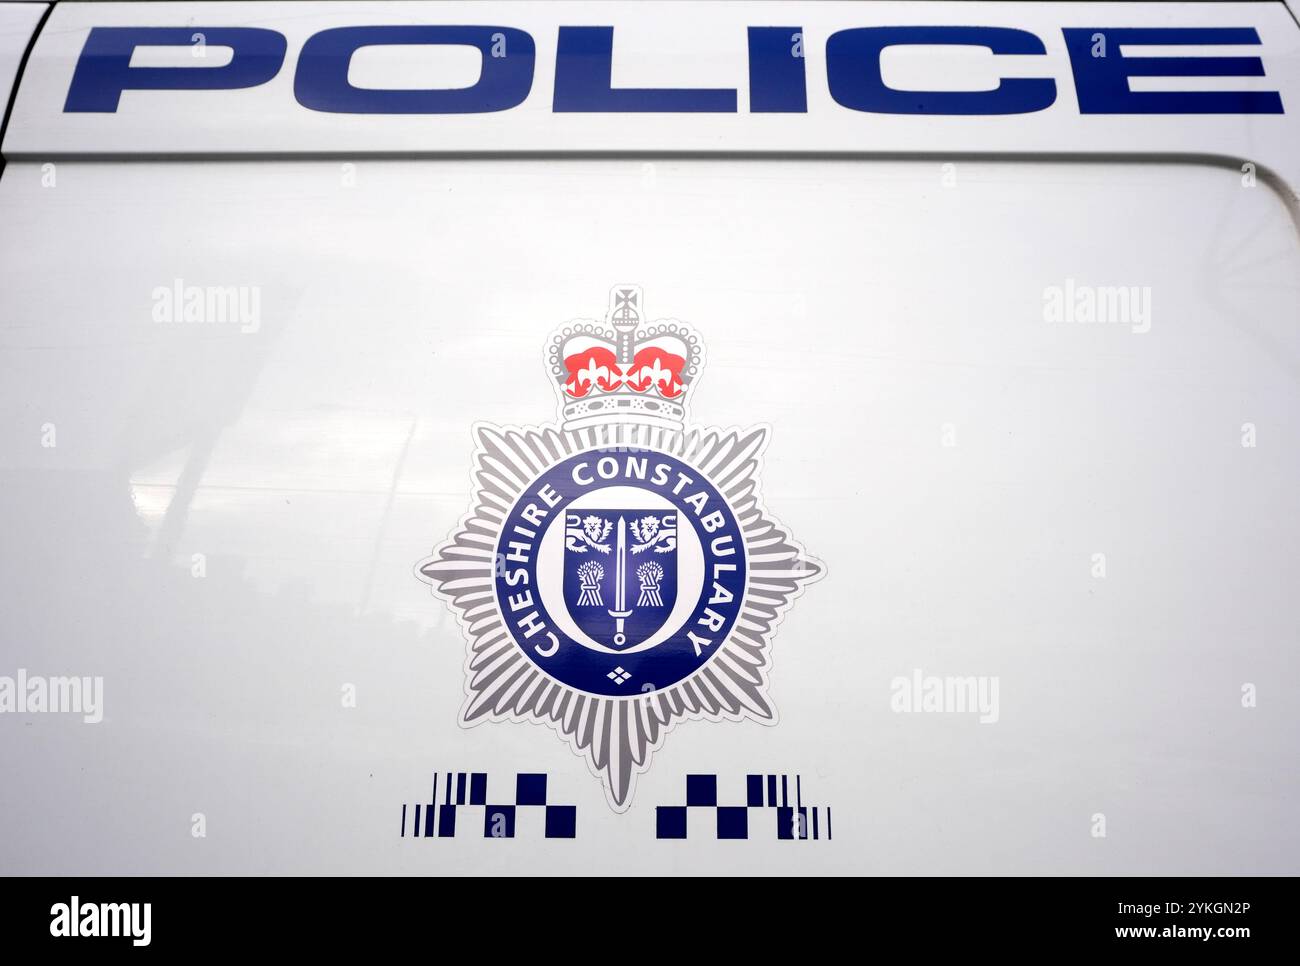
(856, 307)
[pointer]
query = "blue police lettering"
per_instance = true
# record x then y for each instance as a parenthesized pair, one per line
(1102, 82)
(584, 64)
(584, 71)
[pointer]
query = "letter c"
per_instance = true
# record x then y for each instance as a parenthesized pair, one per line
(853, 72)
(548, 651)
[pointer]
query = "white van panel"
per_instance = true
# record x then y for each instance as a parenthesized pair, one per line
(221, 518)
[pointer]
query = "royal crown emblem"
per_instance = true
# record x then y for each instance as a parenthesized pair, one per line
(624, 372)
(618, 572)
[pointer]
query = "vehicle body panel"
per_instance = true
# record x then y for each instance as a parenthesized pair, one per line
(228, 520)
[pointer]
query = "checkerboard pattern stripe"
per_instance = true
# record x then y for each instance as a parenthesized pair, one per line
(767, 793)
(465, 793)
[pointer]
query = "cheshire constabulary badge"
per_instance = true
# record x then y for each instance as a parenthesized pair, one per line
(618, 572)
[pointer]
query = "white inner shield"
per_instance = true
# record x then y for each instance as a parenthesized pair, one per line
(690, 565)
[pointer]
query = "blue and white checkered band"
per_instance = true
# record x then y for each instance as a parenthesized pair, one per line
(620, 574)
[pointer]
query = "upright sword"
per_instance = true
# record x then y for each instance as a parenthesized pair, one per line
(620, 613)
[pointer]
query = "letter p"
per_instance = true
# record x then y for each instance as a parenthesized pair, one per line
(104, 68)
